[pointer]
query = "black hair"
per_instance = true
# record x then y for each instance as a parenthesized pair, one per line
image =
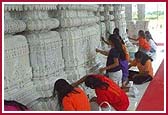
(149, 36)
(62, 88)
(117, 32)
(117, 44)
(126, 30)
(141, 33)
(16, 104)
(93, 82)
(143, 57)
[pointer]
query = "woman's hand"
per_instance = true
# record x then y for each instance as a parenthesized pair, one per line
(97, 50)
(102, 52)
(94, 99)
(75, 84)
(102, 38)
(102, 69)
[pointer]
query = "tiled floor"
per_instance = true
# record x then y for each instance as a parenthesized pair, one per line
(142, 88)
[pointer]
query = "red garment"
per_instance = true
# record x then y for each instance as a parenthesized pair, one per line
(10, 108)
(114, 94)
(144, 44)
(13, 108)
(76, 101)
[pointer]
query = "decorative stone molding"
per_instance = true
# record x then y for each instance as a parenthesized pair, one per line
(78, 7)
(13, 7)
(71, 22)
(72, 13)
(46, 60)
(38, 25)
(120, 17)
(44, 48)
(34, 7)
(39, 20)
(17, 70)
(24, 95)
(101, 8)
(16, 59)
(12, 26)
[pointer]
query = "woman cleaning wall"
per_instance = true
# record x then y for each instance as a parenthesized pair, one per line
(113, 67)
(70, 98)
(106, 91)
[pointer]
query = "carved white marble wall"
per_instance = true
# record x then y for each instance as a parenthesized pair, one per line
(120, 21)
(101, 23)
(18, 83)
(44, 47)
(45, 52)
(45, 42)
(80, 34)
(107, 24)
(107, 17)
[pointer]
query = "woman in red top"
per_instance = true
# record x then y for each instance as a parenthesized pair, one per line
(70, 98)
(143, 43)
(106, 90)
(144, 65)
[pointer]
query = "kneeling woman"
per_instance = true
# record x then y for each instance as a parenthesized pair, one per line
(144, 64)
(106, 90)
(70, 98)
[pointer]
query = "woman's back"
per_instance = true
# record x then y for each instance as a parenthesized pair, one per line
(114, 94)
(144, 44)
(126, 52)
(147, 67)
(76, 101)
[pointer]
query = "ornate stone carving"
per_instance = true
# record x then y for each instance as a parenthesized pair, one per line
(12, 26)
(78, 7)
(34, 63)
(71, 22)
(17, 71)
(13, 7)
(35, 7)
(44, 49)
(78, 32)
(37, 25)
(39, 20)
